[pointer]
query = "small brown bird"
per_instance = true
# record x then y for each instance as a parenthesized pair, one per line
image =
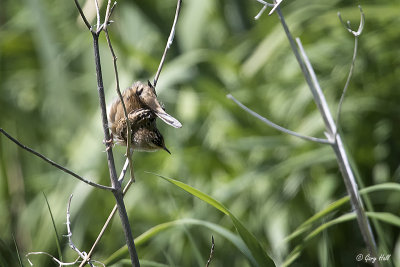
(143, 109)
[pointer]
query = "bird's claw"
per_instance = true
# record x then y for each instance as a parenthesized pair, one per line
(109, 143)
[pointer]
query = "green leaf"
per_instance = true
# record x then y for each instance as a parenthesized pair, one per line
(140, 240)
(143, 263)
(304, 227)
(382, 216)
(337, 204)
(17, 250)
(55, 229)
(255, 247)
(385, 217)
(343, 218)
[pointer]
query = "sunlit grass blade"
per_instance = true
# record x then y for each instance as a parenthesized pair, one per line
(381, 216)
(319, 229)
(337, 204)
(143, 263)
(296, 252)
(17, 250)
(140, 240)
(385, 217)
(380, 232)
(55, 229)
(255, 247)
(307, 224)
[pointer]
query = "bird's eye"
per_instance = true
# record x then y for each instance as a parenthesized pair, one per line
(152, 87)
(139, 91)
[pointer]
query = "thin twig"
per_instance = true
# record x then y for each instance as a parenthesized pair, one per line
(123, 171)
(356, 35)
(128, 127)
(360, 26)
(211, 252)
(261, 12)
(276, 126)
(53, 163)
(266, 4)
(277, 4)
(112, 213)
(83, 15)
(69, 234)
(97, 15)
(109, 12)
(108, 15)
(82, 255)
(319, 99)
(347, 81)
(169, 42)
(60, 263)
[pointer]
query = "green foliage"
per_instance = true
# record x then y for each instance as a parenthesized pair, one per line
(17, 251)
(140, 240)
(273, 183)
(253, 245)
(57, 237)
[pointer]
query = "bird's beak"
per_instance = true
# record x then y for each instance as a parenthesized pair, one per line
(166, 149)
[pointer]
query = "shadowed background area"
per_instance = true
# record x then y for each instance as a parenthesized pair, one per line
(271, 181)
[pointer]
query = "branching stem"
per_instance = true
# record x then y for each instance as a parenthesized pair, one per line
(169, 42)
(331, 128)
(118, 194)
(276, 126)
(54, 163)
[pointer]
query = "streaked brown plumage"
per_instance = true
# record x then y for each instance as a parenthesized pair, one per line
(143, 109)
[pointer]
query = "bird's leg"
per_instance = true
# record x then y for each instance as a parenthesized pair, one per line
(109, 143)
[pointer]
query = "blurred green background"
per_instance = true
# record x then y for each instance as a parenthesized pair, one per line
(272, 182)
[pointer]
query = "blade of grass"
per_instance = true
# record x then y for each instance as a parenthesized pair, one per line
(381, 216)
(144, 263)
(17, 250)
(319, 229)
(255, 247)
(55, 229)
(386, 217)
(383, 240)
(235, 240)
(195, 249)
(307, 224)
(337, 204)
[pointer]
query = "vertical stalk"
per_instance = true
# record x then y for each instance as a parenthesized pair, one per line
(110, 159)
(100, 89)
(355, 198)
(337, 145)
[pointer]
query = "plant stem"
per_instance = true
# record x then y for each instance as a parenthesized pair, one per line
(337, 145)
(110, 159)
